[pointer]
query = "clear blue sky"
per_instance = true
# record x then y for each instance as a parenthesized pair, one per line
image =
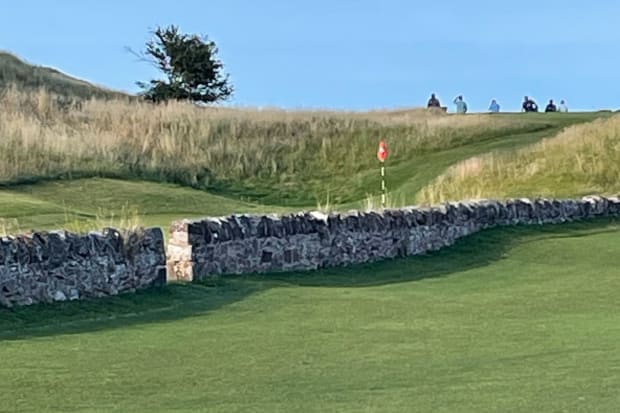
(343, 53)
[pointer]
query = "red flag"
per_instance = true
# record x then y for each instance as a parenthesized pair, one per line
(382, 153)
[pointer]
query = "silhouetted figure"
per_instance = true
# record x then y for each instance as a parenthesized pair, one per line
(433, 102)
(529, 105)
(461, 106)
(551, 107)
(494, 106)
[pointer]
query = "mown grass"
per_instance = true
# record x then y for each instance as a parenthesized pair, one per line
(515, 319)
(272, 157)
(583, 159)
(84, 204)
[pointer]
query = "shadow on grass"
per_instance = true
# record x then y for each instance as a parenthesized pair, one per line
(178, 301)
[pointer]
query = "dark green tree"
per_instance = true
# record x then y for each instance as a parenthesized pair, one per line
(190, 65)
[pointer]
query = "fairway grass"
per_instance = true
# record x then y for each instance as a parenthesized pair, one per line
(520, 319)
(92, 203)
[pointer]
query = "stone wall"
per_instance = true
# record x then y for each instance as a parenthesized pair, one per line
(248, 244)
(59, 266)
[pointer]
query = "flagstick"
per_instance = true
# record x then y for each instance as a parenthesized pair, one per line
(382, 154)
(382, 185)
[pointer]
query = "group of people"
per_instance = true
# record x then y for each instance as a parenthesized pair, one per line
(459, 102)
(529, 105)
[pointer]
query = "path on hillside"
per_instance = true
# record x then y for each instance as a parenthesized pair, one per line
(417, 172)
(412, 176)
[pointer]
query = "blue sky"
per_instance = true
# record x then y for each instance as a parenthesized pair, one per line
(345, 54)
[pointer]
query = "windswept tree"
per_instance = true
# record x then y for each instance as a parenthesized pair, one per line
(190, 65)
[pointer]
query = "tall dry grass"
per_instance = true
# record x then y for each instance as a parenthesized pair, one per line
(213, 147)
(583, 159)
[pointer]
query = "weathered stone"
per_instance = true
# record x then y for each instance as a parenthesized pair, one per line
(59, 266)
(266, 256)
(60, 296)
(74, 294)
(247, 244)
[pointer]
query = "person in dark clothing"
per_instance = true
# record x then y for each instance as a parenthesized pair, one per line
(529, 105)
(551, 107)
(433, 102)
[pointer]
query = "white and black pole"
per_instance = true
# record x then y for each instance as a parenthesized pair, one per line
(382, 186)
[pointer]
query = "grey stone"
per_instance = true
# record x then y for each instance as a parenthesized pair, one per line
(57, 266)
(74, 294)
(312, 240)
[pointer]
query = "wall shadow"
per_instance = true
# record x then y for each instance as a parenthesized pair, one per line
(178, 301)
(475, 251)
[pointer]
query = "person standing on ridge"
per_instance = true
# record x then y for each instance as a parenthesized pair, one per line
(563, 107)
(529, 105)
(551, 107)
(494, 106)
(461, 106)
(433, 102)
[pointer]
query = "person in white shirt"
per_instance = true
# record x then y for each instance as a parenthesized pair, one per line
(562, 107)
(461, 106)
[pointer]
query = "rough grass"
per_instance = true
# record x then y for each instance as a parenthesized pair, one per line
(583, 159)
(276, 157)
(14, 71)
(515, 319)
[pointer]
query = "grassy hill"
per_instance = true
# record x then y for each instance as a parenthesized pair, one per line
(278, 158)
(510, 319)
(16, 72)
(252, 160)
(296, 159)
(581, 160)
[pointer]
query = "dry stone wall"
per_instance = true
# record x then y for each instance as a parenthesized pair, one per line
(59, 266)
(242, 244)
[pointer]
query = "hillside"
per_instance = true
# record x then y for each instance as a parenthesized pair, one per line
(509, 319)
(581, 160)
(279, 158)
(14, 71)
